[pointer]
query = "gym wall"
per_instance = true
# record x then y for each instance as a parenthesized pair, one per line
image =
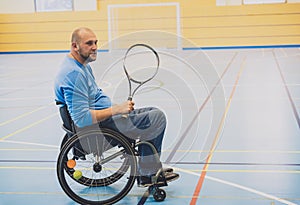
(206, 24)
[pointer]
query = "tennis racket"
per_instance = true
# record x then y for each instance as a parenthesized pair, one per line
(140, 64)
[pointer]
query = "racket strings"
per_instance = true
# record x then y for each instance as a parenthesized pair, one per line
(141, 63)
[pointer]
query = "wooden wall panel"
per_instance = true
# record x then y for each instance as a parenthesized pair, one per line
(203, 23)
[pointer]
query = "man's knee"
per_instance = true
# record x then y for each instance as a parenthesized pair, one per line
(160, 117)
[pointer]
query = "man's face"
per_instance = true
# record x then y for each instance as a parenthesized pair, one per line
(87, 47)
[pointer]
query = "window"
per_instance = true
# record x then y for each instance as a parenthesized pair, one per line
(53, 5)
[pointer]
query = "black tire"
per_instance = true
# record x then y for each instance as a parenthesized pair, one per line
(111, 154)
(159, 195)
(92, 182)
(64, 141)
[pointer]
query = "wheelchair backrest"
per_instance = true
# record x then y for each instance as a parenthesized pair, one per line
(68, 123)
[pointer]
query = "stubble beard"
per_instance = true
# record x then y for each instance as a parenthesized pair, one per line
(90, 57)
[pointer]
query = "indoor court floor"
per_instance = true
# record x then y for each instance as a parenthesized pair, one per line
(233, 136)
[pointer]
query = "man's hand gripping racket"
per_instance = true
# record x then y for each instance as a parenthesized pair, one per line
(140, 64)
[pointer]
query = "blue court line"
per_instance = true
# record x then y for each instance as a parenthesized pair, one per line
(187, 48)
(42, 52)
(33, 52)
(242, 47)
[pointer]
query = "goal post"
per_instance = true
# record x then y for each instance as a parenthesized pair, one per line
(129, 23)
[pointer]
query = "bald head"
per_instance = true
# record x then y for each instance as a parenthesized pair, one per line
(78, 34)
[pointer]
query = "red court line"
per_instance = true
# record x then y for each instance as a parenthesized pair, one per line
(207, 162)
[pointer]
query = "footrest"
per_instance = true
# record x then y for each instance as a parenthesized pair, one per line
(158, 194)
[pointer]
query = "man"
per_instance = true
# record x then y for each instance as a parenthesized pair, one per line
(75, 87)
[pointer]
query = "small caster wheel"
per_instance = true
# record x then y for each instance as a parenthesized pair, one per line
(159, 195)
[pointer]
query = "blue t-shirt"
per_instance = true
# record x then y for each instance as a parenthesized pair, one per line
(75, 86)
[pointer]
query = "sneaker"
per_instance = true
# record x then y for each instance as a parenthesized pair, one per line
(171, 176)
(167, 170)
(146, 181)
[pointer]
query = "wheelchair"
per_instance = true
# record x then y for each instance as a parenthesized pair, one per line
(97, 165)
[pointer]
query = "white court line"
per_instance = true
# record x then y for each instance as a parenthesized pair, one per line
(238, 186)
(29, 143)
(24, 115)
(26, 98)
(28, 126)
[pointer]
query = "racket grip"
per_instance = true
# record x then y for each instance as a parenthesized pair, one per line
(126, 115)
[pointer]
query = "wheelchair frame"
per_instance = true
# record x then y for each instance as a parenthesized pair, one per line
(103, 157)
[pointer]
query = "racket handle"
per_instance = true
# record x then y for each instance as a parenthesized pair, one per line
(126, 115)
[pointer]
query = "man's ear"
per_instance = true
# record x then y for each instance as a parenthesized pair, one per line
(75, 46)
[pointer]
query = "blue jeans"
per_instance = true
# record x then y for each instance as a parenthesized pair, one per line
(147, 124)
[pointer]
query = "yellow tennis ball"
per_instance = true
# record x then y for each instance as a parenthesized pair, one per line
(77, 174)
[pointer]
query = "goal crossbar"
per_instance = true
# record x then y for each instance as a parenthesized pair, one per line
(115, 6)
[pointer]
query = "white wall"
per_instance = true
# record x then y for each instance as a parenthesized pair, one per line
(27, 6)
(85, 5)
(16, 6)
(228, 2)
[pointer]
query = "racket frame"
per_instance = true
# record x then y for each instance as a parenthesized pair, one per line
(130, 79)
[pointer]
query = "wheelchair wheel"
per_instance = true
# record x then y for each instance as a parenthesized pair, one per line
(64, 141)
(159, 195)
(107, 171)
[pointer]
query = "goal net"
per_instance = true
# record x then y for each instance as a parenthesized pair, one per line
(146, 23)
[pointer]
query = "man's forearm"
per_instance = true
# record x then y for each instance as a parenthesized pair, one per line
(100, 115)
